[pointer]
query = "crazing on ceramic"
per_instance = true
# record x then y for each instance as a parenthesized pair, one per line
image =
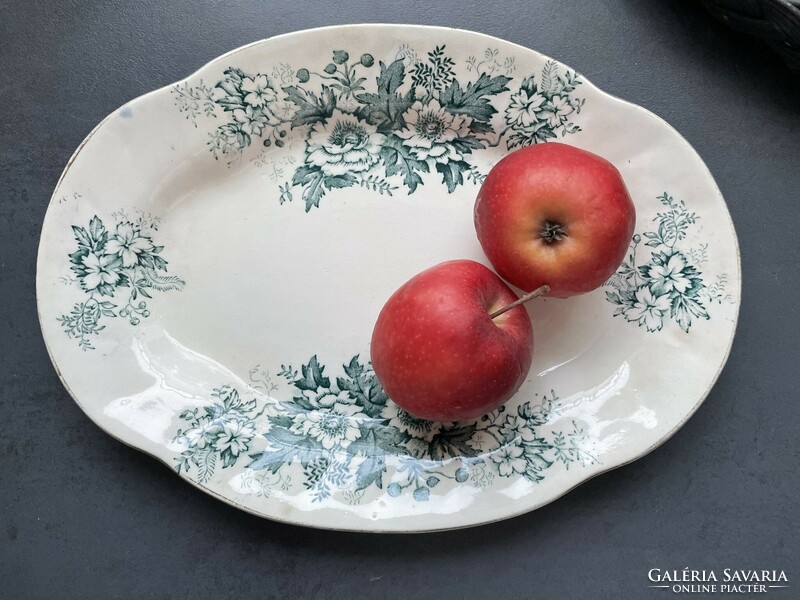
(397, 126)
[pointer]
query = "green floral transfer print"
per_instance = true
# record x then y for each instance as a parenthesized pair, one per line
(221, 431)
(108, 262)
(342, 434)
(538, 111)
(380, 125)
(669, 284)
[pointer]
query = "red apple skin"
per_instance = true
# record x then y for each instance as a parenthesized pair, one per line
(561, 184)
(437, 353)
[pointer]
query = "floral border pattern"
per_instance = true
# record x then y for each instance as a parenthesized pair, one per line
(340, 435)
(106, 260)
(670, 285)
(383, 126)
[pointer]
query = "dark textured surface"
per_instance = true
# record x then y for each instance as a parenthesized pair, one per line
(777, 22)
(83, 516)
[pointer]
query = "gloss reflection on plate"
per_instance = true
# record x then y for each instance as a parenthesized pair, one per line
(216, 252)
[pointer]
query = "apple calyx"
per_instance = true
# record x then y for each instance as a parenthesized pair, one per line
(540, 291)
(552, 232)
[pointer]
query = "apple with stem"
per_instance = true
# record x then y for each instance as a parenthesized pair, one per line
(557, 215)
(452, 343)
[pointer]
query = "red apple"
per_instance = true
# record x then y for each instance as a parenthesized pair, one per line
(437, 352)
(554, 214)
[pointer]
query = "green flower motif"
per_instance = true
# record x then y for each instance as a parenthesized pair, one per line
(534, 415)
(524, 110)
(516, 428)
(556, 111)
(235, 437)
(342, 145)
(430, 131)
(128, 243)
(332, 428)
(539, 111)
(509, 460)
(101, 273)
(251, 121)
(670, 274)
(647, 309)
(202, 435)
(669, 285)
(223, 430)
(257, 91)
(229, 139)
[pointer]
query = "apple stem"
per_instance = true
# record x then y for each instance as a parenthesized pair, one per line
(540, 291)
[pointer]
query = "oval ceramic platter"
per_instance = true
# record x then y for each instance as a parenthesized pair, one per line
(217, 251)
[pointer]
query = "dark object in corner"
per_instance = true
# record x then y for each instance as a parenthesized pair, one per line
(777, 22)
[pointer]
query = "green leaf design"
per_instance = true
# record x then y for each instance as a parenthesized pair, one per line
(82, 237)
(390, 439)
(285, 448)
(354, 369)
(290, 412)
(371, 472)
(339, 181)
(312, 379)
(305, 174)
(473, 100)
(452, 173)
(158, 262)
(374, 444)
(465, 145)
(146, 261)
(435, 74)
(398, 160)
(206, 461)
(684, 307)
(314, 190)
(310, 107)
(230, 86)
(549, 80)
(654, 238)
(452, 441)
(96, 230)
(363, 387)
(385, 108)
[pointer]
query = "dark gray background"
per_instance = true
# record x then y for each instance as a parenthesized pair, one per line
(83, 516)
